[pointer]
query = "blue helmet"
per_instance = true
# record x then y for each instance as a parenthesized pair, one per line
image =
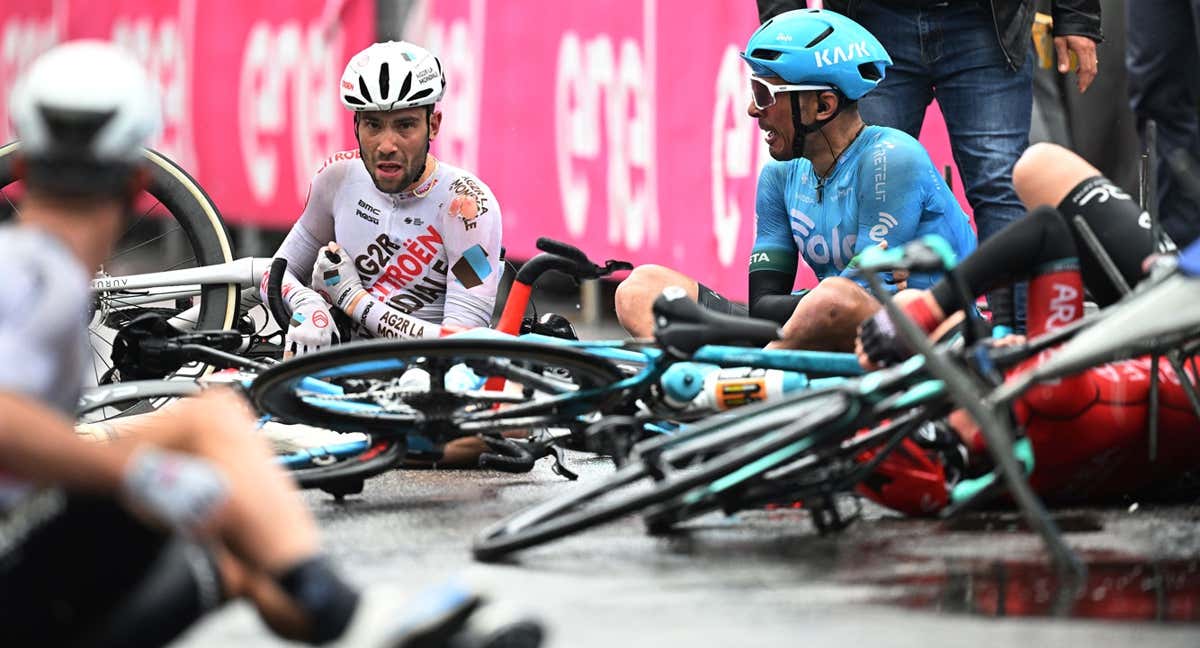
(818, 47)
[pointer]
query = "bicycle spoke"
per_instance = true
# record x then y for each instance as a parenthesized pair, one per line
(139, 219)
(181, 263)
(145, 243)
(10, 202)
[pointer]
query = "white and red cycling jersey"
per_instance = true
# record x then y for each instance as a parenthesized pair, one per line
(431, 254)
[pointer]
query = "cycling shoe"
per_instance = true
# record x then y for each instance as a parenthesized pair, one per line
(449, 616)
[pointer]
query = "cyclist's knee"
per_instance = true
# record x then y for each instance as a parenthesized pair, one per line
(638, 291)
(1046, 173)
(838, 303)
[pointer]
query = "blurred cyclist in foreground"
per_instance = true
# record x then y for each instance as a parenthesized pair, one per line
(130, 542)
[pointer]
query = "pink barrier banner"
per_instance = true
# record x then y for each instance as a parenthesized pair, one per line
(620, 127)
(249, 88)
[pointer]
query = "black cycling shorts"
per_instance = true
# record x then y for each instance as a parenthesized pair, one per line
(68, 562)
(713, 301)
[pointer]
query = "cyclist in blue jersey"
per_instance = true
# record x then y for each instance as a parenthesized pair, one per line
(837, 187)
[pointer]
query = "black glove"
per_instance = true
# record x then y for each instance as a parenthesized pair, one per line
(881, 341)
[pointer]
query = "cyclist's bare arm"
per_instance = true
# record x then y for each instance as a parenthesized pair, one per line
(37, 444)
(313, 229)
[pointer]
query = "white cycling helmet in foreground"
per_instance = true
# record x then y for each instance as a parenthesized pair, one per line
(85, 98)
(391, 76)
(84, 111)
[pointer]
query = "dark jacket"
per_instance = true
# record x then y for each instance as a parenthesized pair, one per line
(1013, 19)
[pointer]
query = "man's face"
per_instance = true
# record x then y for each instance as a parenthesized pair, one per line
(776, 119)
(393, 145)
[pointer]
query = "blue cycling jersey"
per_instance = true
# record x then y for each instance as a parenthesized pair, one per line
(884, 187)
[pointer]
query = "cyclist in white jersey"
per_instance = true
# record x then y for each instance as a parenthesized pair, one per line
(400, 242)
(129, 542)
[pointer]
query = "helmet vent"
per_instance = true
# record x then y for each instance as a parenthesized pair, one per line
(421, 94)
(820, 37)
(362, 88)
(75, 128)
(869, 71)
(353, 100)
(766, 54)
(385, 79)
(405, 87)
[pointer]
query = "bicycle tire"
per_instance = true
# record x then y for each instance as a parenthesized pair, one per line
(198, 219)
(587, 507)
(788, 487)
(377, 458)
(275, 391)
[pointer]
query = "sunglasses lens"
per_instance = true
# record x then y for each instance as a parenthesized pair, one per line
(762, 94)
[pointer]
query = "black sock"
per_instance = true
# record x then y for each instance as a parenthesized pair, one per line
(327, 600)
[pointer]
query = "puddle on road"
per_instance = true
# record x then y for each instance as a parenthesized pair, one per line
(1113, 589)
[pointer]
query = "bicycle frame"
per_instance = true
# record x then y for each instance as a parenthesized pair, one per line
(247, 271)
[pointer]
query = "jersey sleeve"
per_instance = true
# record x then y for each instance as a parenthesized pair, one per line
(40, 317)
(312, 230)
(471, 226)
(774, 247)
(893, 185)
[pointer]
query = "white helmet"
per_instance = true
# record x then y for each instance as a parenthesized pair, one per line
(85, 100)
(391, 76)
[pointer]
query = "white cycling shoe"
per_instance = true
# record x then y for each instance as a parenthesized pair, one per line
(449, 616)
(287, 439)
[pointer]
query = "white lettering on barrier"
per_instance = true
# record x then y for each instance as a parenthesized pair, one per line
(22, 39)
(459, 45)
(733, 151)
(318, 119)
(278, 58)
(594, 78)
(160, 45)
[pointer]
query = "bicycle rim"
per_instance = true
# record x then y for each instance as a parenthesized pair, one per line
(378, 402)
(639, 487)
(197, 235)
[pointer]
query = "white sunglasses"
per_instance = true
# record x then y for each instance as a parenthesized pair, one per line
(764, 92)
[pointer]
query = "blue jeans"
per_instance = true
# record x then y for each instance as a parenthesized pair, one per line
(952, 53)
(1162, 55)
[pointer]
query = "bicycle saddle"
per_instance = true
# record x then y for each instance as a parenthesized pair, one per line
(681, 325)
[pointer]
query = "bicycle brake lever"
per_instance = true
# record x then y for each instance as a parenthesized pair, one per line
(611, 266)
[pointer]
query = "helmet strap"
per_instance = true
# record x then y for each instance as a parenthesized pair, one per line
(802, 130)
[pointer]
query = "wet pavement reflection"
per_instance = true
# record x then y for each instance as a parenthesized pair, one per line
(1114, 588)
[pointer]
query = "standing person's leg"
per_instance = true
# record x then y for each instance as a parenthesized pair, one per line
(1164, 85)
(900, 100)
(988, 108)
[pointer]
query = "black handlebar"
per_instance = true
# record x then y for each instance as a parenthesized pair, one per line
(275, 293)
(567, 259)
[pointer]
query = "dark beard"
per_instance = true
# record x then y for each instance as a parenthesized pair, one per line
(409, 179)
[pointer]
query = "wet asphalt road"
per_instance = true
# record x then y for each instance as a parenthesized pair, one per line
(763, 578)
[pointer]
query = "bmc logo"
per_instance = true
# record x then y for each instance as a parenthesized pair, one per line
(834, 55)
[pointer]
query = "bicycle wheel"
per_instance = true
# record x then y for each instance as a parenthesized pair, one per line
(434, 388)
(175, 225)
(830, 466)
(663, 469)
